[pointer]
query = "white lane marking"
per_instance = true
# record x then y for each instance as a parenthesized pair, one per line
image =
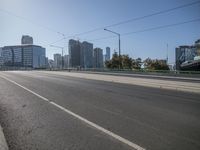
(25, 88)
(119, 138)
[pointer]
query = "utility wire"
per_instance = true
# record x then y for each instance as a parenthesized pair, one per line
(145, 30)
(160, 27)
(27, 20)
(149, 29)
(100, 28)
(135, 19)
(140, 31)
(140, 18)
(57, 41)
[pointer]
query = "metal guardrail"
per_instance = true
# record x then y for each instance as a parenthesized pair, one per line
(129, 71)
(133, 71)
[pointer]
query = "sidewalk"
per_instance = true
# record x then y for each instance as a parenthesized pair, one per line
(3, 144)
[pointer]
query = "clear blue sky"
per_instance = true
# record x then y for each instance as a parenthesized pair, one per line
(76, 16)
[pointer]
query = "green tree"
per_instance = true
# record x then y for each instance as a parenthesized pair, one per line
(136, 63)
(147, 63)
(155, 64)
(126, 62)
(114, 62)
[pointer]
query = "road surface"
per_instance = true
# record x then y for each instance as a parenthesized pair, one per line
(70, 111)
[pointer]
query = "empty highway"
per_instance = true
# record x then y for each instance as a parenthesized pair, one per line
(79, 111)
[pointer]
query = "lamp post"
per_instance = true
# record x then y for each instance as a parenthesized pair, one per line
(62, 52)
(118, 34)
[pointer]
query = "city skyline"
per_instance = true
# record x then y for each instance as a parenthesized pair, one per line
(99, 74)
(62, 17)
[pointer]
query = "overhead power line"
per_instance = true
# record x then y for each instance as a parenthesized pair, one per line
(140, 18)
(135, 19)
(28, 20)
(139, 31)
(100, 28)
(149, 29)
(57, 41)
(161, 27)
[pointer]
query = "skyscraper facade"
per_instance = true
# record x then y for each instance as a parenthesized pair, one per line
(197, 45)
(57, 60)
(0, 51)
(86, 55)
(1, 61)
(185, 53)
(74, 53)
(32, 56)
(107, 57)
(66, 61)
(1, 58)
(98, 58)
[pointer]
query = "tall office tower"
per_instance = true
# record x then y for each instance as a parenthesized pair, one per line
(98, 58)
(0, 51)
(32, 56)
(57, 60)
(74, 53)
(86, 55)
(26, 39)
(107, 53)
(66, 61)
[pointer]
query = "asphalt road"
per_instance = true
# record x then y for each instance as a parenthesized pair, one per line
(152, 118)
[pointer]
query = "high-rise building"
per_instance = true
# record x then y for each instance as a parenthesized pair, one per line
(0, 51)
(47, 62)
(39, 57)
(1, 61)
(24, 56)
(66, 61)
(104, 60)
(107, 53)
(183, 53)
(98, 58)
(86, 55)
(74, 53)
(26, 39)
(1, 58)
(186, 53)
(197, 44)
(57, 60)
(7, 55)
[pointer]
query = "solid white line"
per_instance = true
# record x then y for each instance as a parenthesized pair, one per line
(119, 138)
(26, 89)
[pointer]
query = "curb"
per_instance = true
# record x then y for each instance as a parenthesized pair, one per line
(3, 144)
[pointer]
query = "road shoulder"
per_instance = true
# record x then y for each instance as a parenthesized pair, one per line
(3, 144)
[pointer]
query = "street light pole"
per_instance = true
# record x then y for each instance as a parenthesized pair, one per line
(118, 34)
(62, 52)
